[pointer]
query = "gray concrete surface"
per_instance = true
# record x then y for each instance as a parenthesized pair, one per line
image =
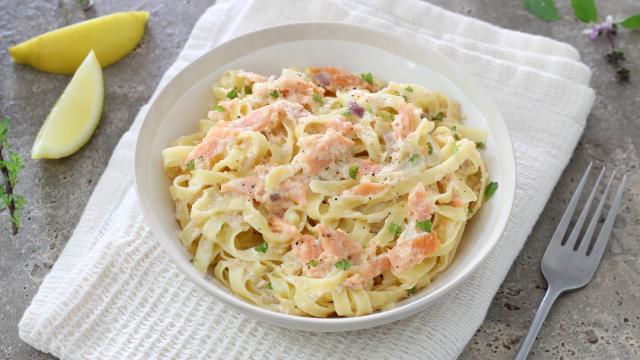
(600, 321)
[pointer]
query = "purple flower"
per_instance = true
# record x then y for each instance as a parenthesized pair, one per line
(606, 27)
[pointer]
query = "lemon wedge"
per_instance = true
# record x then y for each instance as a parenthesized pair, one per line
(61, 51)
(75, 115)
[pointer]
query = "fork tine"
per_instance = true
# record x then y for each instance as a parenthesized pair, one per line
(605, 232)
(571, 207)
(586, 238)
(571, 241)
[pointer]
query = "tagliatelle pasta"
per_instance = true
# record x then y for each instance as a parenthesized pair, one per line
(325, 193)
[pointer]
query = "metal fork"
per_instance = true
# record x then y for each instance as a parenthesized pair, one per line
(570, 264)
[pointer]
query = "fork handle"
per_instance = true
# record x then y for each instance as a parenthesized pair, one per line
(548, 300)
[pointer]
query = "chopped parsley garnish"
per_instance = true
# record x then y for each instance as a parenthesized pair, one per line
(454, 129)
(313, 263)
(424, 225)
(369, 109)
(405, 98)
(409, 89)
(232, 94)
(274, 94)
(347, 113)
(480, 145)
(218, 108)
(247, 90)
(343, 264)
(430, 148)
(438, 117)
(386, 115)
(190, 165)
(317, 99)
(192, 260)
(414, 158)
(269, 286)
(395, 229)
(262, 248)
(411, 291)
(490, 190)
(367, 77)
(353, 171)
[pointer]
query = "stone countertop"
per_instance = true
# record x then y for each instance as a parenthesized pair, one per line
(599, 321)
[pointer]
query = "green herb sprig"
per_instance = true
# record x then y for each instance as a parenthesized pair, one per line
(586, 11)
(10, 169)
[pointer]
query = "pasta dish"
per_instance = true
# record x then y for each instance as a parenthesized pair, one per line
(322, 193)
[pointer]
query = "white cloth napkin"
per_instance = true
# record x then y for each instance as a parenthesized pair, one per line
(114, 294)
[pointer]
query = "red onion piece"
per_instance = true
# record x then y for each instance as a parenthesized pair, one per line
(356, 109)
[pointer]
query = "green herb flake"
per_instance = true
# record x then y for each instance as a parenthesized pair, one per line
(414, 158)
(190, 165)
(455, 149)
(217, 108)
(386, 115)
(406, 99)
(454, 128)
(232, 94)
(411, 291)
(430, 148)
(274, 94)
(369, 109)
(262, 248)
(353, 171)
(317, 99)
(313, 263)
(347, 113)
(425, 225)
(491, 189)
(343, 264)
(480, 145)
(409, 89)
(248, 90)
(269, 286)
(395, 229)
(9, 169)
(192, 260)
(438, 117)
(367, 77)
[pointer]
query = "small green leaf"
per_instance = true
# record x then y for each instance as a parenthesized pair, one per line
(411, 291)
(343, 264)
(542, 9)
(425, 225)
(262, 248)
(367, 77)
(585, 10)
(409, 89)
(190, 165)
(395, 229)
(438, 117)
(430, 148)
(632, 22)
(346, 113)
(406, 99)
(248, 90)
(274, 94)
(313, 263)
(414, 158)
(232, 94)
(217, 108)
(353, 171)
(317, 99)
(4, 130)
(386, 115)
(269, 286)
(480, 145)
(491, 189)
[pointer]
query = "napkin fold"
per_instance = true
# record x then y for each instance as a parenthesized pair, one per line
(113, 293)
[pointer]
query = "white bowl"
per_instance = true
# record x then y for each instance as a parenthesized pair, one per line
(187, 97)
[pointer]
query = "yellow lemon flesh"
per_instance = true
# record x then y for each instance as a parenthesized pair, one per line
(75, 115)
(62, 51)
